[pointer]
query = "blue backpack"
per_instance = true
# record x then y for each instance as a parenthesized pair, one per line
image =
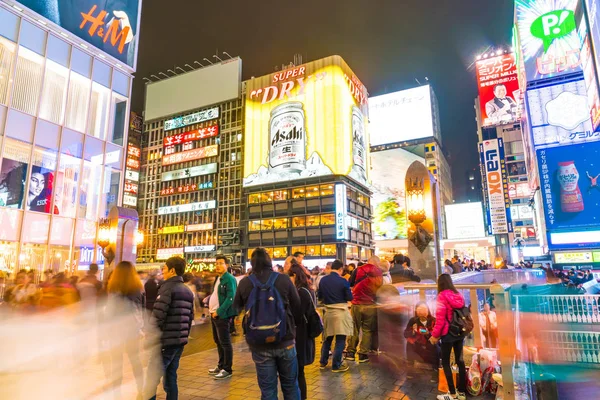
(265, 317)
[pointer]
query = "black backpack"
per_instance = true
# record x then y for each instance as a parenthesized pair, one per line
(462, 322)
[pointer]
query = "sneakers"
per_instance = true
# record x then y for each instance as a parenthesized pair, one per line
(363, 358)
(349, 357)
(342, 368)
(214, 371)
(461, 396)
(322, 366)
(447, 396)
(223, 375)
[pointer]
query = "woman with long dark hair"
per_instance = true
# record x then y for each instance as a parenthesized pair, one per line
(449, 299)
(126, 302)
(305, 345)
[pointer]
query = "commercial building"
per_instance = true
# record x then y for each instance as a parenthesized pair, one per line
(64, 108)
(191, 166)
(133, 161)
(306, 164)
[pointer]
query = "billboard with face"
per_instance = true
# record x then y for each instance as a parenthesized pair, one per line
(304, 122)
(499, 92)
(111, 26)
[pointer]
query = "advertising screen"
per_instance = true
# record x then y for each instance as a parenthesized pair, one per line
(499, 92)
(589, 74)
(569, 178)
(464, 221)
(12, 177)
(388, 173)
(304, 122)
(495, 185)
(560, 114)
(548, 37)
(111, 26)
(401, 116)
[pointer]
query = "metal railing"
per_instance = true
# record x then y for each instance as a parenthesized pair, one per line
(576, 309)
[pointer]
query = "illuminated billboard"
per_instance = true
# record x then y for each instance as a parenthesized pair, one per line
(192, 187)
(547, 31)
(200, 206)
(189, 172)
(191, 136)
(464, 221)
(305, 122)
(560, 115)
(191, 155)
(195, 118)
(165, 254)
(110, 26)
(401, 116)
(491, 153)
(388, 174)
(499, 92)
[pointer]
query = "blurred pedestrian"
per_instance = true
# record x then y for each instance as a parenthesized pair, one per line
(23, 295)
(489, 326)
(385, 271)
(151, 289)
(89, 287)
(59, 294)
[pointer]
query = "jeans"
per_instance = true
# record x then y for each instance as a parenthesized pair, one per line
(365, 318)
(340, 342)
(222, 337)
(167, 364)
(268, 364)
(447, 347)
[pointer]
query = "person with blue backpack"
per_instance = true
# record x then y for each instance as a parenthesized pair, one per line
(272, 310)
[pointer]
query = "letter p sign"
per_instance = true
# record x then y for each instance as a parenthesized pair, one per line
(553, 25)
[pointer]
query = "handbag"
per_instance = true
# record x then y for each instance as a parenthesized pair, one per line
(314, 323)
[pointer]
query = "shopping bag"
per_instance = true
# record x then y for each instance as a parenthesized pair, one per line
(443, 383)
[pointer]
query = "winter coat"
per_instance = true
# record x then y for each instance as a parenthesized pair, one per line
(151, 289)
(305, 346)
(447, 301)
(418, 347)
(173, 312)
(368, 280)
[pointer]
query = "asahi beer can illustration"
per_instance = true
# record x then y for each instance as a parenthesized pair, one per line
(358, 139)
(287, 138)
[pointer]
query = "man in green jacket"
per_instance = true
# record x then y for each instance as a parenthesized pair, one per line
(221, 309)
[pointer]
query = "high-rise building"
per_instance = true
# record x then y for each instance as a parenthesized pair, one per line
(191, 166)
(65, 84)
(133, 161)
(473, 189)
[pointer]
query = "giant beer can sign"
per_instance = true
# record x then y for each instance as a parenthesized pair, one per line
(287, 138)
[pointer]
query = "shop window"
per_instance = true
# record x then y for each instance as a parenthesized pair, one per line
(99, 111)
(301, 249)
(312, 191)
(28, 81)
(77, 102)
(8, 256)
(54, 93)
(119, 116)
(254, 198)
(279, 252)
(254, 226)
(313, 220)
(298, 222)
(298, 193)
(13, 173)
(280, 195)
(326, 190)
(266, 197)
(67, 175)
(327, 219)
(280, 223)
(91, 181)
(33, 256)
(266, 224)
(352, 252)
(110, 191)
(61, 231)
(328, 250)
(313, 251)
(7, 56)
(41, 180)
(36, 228)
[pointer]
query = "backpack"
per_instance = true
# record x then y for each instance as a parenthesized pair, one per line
(462, 322)
(314, 324)
(265, 317)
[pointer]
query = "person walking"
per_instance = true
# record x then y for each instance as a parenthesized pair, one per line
(173, 314)
(449, 299)
(305, 345)
(89, 287)
(221, 311)
(334, 292)
(151, 289)
(125, 302)
(278, 357)
(364, 312)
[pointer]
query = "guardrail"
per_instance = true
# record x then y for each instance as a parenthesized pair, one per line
(577, 309)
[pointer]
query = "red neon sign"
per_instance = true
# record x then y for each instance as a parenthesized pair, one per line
(134, 151)
(131, 188)
(135, 164)
(191, 136)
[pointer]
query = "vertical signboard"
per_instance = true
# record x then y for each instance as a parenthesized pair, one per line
(494, 173)
(341, 211)
(130, 191)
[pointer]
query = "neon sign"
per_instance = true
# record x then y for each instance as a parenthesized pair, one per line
(186, 188)
(191, 155)
(191, 136)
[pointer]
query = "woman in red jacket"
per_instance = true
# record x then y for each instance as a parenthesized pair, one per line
(449, 299)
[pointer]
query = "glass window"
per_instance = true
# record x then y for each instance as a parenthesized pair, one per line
(121, 83)
(100, 107)
(9, 25)
(254, 198)
(110, 193)
(35, 228)
(301, 249)
(91, 182)
(298, 193)
(54, 93)
(280, 223)
(7, 56)
(41, 180)
(312, 191)
(28, 81)
(114, 156)
(298, 222)
(46, 135)
(10, 226)
(266, 197)
(327, 219)
(61, 232)
(254, 226)
(58, 51)
(352, 252)
(102, 73)
(313, 250)
(279, 252)
(313, 220)
(33, 256)
(13, 173)
(119, 115)
(266, 224)
(328, 250)
(326, 190)
(81, 63)
(32, 37)
(20, 126)
(280, 195)
(77, 102)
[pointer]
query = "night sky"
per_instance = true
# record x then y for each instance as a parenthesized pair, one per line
(387, 43)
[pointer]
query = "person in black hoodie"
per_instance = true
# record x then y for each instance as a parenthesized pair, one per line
(173, 313)
(276, 359)
(417, 334)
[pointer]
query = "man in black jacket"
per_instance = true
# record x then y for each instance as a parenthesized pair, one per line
(173, 313)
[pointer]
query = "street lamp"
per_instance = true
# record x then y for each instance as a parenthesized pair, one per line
(104, 239)
(415, 202)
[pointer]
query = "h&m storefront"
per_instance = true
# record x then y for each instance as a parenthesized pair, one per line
(63, 115)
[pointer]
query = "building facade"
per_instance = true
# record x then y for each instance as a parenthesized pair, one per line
(64, 110)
